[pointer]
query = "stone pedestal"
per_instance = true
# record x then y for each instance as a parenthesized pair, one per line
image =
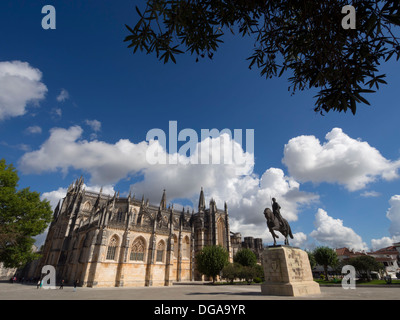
(287, 272)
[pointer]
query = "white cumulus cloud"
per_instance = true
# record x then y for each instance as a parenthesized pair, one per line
(20, 84)
(341, 159)
(106, 164)
(383, 242)
(54, 196)
(393, 214)
(333, 233)
(301, 240)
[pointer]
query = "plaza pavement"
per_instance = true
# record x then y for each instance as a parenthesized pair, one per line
(16, 291)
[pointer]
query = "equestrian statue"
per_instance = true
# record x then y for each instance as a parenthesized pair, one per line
(276, 222)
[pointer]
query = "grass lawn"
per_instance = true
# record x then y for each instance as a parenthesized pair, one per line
(377, 282)
(359, 282)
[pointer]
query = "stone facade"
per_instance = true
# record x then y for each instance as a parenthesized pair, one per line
(254, 244)
(287, 272)
(6, 273)
(107, 241)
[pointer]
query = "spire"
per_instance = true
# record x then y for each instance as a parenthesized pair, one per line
(163, 203)
(80, 182)
(71, 186)
(58, 206)
(57, 209)
(202, 202)
(97, 203)
(213, 205)
(113, 199)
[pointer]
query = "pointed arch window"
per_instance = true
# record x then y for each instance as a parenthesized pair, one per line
(160, 251)
(221, 232)
(137, 251)
(112, 248)
(119, 216)
(87, 206)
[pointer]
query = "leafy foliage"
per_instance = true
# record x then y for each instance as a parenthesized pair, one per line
(245, 257)
(365, 264)
(311, 258)
(304, 38)
(22, 216)
(325, 257)
(232, 271)
(249, 273)
(211, 260)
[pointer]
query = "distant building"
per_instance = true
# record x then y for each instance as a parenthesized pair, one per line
(389, 257)
(254, 244)
(397, 246)
(346, 253)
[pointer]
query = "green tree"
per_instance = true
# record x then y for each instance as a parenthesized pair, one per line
(364, 265)
(245, 257)
(259, 273)
(325, 257)
(311, 258)
(211, 260)
(231, 271)
(22, 216)
(304, 38)
(248, 273)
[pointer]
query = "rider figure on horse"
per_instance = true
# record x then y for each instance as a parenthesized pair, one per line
(276, 222)
(276, 209)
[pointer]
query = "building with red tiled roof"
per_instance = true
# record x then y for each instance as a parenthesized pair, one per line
(389, 257)
(346, 253)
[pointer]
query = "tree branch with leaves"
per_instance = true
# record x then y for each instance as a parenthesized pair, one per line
(303, 38)
(22, 216)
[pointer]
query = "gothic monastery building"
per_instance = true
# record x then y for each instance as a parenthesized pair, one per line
(107, 241)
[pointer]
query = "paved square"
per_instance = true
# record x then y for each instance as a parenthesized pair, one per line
(18, 291)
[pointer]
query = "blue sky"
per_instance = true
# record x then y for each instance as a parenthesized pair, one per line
(85, 104)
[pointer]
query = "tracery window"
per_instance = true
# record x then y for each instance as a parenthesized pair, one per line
(160, 251)
(119, 216)
(87, 206)
(112, 248)
(137, 251)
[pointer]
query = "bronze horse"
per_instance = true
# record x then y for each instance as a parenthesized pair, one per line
(273, 224)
